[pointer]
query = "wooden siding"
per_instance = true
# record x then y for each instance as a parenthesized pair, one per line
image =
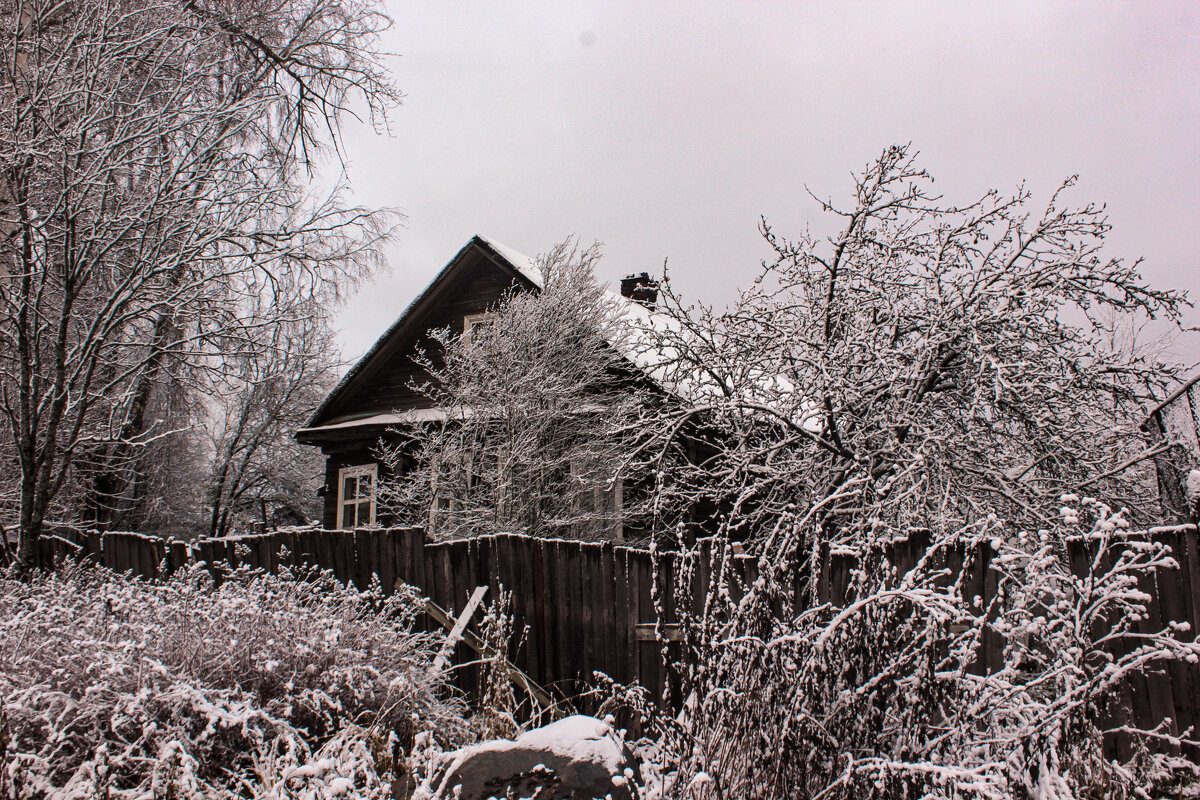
(389, 376)
(386, 384)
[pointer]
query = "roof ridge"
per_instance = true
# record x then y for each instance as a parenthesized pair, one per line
(503, 254)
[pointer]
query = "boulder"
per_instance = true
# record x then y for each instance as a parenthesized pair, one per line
(577, 758)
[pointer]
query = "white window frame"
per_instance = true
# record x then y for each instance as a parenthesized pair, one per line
(356, 471)
(472, 320)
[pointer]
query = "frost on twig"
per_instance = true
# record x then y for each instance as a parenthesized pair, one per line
(264, 686)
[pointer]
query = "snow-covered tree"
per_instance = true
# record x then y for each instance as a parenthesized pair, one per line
(926, 366)
(537, 405)
(154, 159)
(937, 380)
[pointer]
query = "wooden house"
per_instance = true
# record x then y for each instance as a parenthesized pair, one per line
(379, 392)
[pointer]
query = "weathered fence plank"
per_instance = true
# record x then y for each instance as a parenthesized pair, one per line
(576, 605)
(553, 612)
(648, 670)
(540, 602)
(1171, 598)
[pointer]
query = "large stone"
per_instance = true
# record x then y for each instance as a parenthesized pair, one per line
(577, 758)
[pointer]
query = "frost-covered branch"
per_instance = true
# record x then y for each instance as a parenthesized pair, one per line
(154, 204)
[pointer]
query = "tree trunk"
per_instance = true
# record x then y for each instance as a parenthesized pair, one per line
(103, 506)
(30, 529)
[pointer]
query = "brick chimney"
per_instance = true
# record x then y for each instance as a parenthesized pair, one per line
(640, 288)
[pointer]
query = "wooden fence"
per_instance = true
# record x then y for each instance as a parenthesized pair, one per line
(1175, 423)
(584, 607)
(577, 606)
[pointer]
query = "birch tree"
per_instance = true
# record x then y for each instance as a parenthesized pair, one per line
(154, 156)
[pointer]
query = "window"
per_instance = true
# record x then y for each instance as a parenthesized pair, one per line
(439, 513)
(474, 321)
(456, 484)
(599, 502)
(356, 496)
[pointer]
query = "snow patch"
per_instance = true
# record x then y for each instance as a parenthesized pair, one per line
(582, 754)
(1192, 486)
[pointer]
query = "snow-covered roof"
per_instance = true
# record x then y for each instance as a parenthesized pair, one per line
(654, 342)
(382, 420)
(518, 261)
(644, 340)
(641, 339)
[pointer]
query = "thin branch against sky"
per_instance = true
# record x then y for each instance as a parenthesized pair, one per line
(666, 130)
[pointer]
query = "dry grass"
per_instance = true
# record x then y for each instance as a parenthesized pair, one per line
(263, 686)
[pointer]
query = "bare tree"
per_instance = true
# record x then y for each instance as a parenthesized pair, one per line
(260, 475)
(537, 406)
(935, 374)
(927, 366)
(152, 174)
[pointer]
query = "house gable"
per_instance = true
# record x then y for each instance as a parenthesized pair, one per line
(383, 384)
(381, 392)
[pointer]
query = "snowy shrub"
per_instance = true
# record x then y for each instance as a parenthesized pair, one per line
(111, 686)
(542, 438)
(889, 694)
(949, 373)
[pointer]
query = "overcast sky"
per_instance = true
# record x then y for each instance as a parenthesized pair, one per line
(665, 130)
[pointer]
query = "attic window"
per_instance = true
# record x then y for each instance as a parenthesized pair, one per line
(471, 321)
(356, 496)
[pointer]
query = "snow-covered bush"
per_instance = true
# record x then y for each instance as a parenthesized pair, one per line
(889, 693)
(934, 371)
(264, 686)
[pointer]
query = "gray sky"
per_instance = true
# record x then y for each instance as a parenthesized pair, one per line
(664, 130)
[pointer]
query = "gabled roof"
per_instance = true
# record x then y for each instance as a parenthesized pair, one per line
(639, 344)
(521, 267)
(649, 341)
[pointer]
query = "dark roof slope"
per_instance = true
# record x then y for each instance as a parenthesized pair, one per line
(519, 267)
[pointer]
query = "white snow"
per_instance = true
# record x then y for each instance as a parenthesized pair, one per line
(521, 262)
(1193, 488)
(577, 737)
(413, 415)
(577, 740)
(340, 786)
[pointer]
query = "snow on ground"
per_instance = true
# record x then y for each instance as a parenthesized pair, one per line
(578, 756)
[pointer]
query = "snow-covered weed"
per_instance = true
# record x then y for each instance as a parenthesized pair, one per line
(264, 686)
(496, 717)
(912, 688)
